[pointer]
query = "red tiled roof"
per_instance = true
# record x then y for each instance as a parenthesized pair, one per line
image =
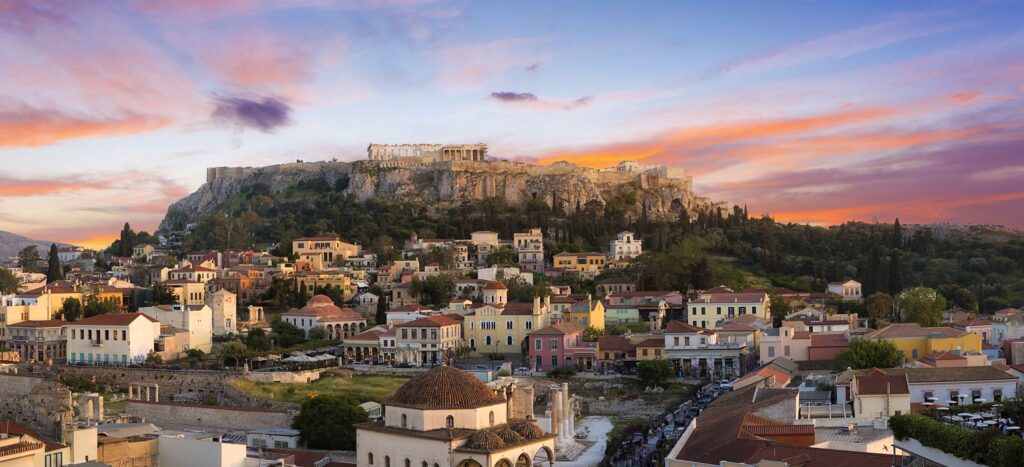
(877, 382)
(829, 340)
(494, 285)
(680, 327)
(112, 319)
(559, 329)
(734, 298)
(802, 335)
(945, 356)
(614, 343)
(49, 323)
(641, 293)
(413, 307)
(313, 239)
(652, 342)
(433, 321)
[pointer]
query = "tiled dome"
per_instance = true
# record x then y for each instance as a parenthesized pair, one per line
(485, 439)
(444, 387)
(320, 300)
(509, 436)
(527, 429)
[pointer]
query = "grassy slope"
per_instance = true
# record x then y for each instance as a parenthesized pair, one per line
(361, 388)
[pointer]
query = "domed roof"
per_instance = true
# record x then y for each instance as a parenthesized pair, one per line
(527, 429)
(508, 435)
(320, 300)
(485, 439)
(444, 387)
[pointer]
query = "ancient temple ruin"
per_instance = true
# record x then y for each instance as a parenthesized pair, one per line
(431, 152)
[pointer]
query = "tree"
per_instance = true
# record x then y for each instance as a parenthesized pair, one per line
(153, 358)
(71, 309)
(258, 339)
(590, 334)
(233, 351)
(94, 306)
(895, 273)
(287, 333)
(654, 372)
(897, 234)
(54, 271)
(317, 333)
(869, 353)
(879, 305)
(327, 421)
(874, 280)
(194, 357)
(126, 243)
(9, 283)
(163, 295)
(958, 296)
(780, 308)
(922, 305)
(435, 290)
(28, 257)
(502, 256)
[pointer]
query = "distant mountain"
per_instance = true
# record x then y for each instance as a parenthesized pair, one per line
(11, 244)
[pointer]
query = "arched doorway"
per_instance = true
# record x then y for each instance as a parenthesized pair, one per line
(469, 463)
(523, 460)
(503, 463)
(544, 457)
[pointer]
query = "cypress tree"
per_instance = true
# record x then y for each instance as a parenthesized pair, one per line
(897, 234)
(895, 274)
(54, 271)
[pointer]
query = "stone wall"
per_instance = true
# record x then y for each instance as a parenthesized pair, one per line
(41, 403)
(181, 385)
(207, 417)
(306, 376)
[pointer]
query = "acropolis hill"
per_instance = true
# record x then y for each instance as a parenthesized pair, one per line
(442, 175)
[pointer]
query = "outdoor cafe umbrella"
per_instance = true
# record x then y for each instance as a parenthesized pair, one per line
(980, 400)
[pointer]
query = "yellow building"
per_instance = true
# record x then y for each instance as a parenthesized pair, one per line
(188, 292)
(586, 312)
(918, 342)
(311, 281)
(322, 252)
(586, 264)
(651, 349)
(499, 327)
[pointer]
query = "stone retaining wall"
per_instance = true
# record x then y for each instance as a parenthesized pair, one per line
(41, 403)
(209, 418)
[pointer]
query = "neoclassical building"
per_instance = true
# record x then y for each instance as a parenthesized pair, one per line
(320, 311)
(448, 417)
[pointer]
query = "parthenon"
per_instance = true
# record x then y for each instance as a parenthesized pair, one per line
(437, 152)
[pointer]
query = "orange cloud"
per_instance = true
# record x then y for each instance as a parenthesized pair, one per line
(963, 96)
(929, 211)
(95, 242)
(39, 128)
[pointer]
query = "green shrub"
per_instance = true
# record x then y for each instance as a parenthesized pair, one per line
(988, 447)
(562, 372)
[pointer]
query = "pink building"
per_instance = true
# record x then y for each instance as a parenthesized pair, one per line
(560, 345)
(785, 342)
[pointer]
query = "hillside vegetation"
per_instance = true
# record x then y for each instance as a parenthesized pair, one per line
(972, 266)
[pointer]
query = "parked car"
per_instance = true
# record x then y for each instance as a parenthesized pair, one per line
(523, 371)
(404, 365)
(481, 367)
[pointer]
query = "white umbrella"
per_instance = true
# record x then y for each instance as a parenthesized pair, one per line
(932, 399)
(956, 418)
(943, 408)
(951, 402)
(980, 400)
(1011, 428)
(965, 414)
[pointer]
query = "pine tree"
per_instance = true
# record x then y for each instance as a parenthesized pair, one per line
(897, 234)
(895, 274)
(54, 271)
(874, 281)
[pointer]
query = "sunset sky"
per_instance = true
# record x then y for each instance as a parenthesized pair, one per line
(814, 112)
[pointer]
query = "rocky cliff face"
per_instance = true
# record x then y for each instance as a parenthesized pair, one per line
(444, 183)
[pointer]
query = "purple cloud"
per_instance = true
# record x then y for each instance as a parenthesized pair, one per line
(533, 67)
(507, 96)
(264, 114)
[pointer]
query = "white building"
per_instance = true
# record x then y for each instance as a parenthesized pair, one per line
(849, 290)
(625, 246)
(696, 351)
(948, 386)
(112, 339)
(448, 417)
(712, 308)
(199, 449)
(224, 305)
(272, 438)
(69, 253)
(1007, 324)
(497, 273)
(197, 320)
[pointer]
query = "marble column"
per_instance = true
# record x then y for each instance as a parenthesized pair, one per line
(130, 391)
(556, 412)
(99, 408)
(147, 394)
(156, 393)
(567, 415)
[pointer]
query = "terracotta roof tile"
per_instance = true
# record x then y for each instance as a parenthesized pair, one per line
(444, 387)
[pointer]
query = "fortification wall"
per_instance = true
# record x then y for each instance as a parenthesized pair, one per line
(208, 417)
(41, 403)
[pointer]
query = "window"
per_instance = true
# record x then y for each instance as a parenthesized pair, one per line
(538, 344)
(449, 422)
(369, 458)
(405, 334)
(554, 361)
(540, 362)
(554, 344)
(508, 324)
(928, 395)
(433, 334)
(490, 418)
(686, 341)
(472, 343)
(508, 340)
(408, 463)
(997, 395)
(645, 352)
(387, 461)
(785, 351)
(487, 340)
(771, 351)
(753, 310)
(913, 353)
(529, 324)
(954, 396)
(405, 420)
